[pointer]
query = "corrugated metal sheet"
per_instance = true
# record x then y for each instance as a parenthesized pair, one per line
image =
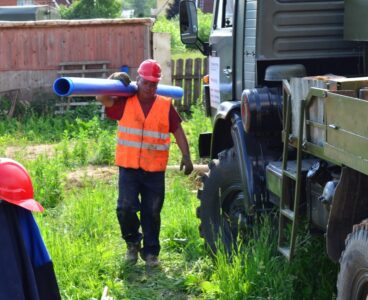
(43, 45)
(302, 30)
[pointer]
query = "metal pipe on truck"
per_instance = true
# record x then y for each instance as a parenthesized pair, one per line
(76, 86)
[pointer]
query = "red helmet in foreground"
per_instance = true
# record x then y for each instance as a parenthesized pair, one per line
(150, 70)
(16, 185)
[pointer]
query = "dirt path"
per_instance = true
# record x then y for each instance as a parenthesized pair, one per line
(30, 152)
(79, 177)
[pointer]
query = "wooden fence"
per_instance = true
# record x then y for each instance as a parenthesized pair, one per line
(188, 74)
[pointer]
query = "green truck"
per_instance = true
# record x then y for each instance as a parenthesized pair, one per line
(289, 100)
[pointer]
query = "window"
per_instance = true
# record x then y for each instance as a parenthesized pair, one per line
(224, 14)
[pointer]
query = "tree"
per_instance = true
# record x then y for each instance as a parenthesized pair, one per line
(90, 9)
(141, 8)
(173, 9)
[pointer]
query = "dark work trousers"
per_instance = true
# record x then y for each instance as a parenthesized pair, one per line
(141, 191)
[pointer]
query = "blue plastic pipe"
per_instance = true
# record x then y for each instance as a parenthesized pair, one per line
(76, 86)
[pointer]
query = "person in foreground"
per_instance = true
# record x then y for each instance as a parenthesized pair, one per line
(145, 122)
(26, 268)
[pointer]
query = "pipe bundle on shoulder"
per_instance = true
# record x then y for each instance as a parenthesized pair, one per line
(76, 86)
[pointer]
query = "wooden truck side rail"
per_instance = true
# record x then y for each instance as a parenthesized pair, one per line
(344, 127)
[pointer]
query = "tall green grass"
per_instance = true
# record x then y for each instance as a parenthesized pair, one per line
(82, 234)
(85, 244)
(82, 241)
(258, 271)
(49, 129)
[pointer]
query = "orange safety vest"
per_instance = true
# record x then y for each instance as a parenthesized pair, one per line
(143, 142)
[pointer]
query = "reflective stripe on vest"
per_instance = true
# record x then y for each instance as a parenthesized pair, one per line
(140, 132)
(143, 142)
(144, 145)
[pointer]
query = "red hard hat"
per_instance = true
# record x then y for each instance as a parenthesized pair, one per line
(150, 70)
(16, 185)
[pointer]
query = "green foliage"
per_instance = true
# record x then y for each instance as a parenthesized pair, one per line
(84, 112)
(52, 128)
(105, 149)
(83, 242)
(80, 151)
(89, 9)
(5, 105)
(202, 124)
(172, 26)
(47, 178)
(259, 272)
(64, 148)
(181, 228)
(141, 8)
(204, 25)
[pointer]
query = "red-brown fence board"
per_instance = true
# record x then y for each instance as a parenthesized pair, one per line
(8, 2)
(188, 75)
(31, 53)
(43, 45)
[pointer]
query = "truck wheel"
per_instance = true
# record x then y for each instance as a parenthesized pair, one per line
(222, 203)
(352, 282)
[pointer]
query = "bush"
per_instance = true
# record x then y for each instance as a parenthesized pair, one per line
(47, 180)
(172, 26)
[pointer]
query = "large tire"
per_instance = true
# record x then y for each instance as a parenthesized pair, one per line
(352, 282)
(222, 209)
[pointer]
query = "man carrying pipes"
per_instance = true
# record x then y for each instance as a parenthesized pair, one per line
(26, 268)
(145, 121)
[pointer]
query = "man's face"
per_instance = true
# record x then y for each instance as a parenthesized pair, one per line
(146, 87)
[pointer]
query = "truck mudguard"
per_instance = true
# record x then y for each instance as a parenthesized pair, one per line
(245, 166)
(229, 132)
(76, 86)
(221, 139)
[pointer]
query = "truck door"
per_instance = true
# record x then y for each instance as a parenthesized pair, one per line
(221, 56)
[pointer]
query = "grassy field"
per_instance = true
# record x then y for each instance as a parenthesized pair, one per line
(82, 234)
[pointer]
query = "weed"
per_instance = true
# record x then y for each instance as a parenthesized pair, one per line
(47, 180)
(259, 272)
(105, 149)
(80, 151)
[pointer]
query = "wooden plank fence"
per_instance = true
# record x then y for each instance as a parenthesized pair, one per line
(81, 69)
(186, 73)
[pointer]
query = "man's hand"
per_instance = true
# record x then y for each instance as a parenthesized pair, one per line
(122, 76)
(187, 164)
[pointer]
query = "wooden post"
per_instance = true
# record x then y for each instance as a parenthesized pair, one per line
(179, 77)
(188, 84)
(197, 79)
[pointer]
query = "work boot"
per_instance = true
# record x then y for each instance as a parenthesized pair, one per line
(131, 256)
(152, 261)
